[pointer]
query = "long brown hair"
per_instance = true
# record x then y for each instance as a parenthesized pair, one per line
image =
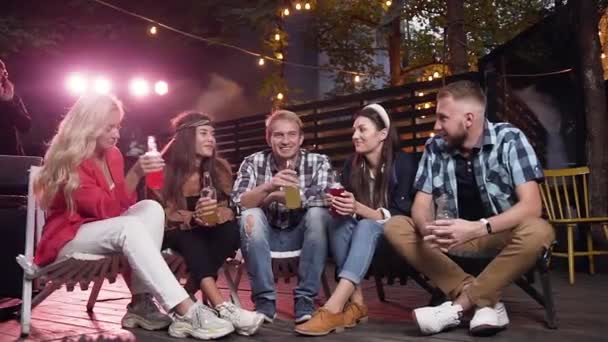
(360, 178)
(181, 161)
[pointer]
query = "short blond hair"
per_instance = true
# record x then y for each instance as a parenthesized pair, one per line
(461, 90)
(283, 114)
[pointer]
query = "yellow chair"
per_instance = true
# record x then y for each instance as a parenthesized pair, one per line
(567, 206)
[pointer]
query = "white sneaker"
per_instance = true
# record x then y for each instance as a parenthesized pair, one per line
(200, 322)
(245, 322)
(434, 319)
(489, 320)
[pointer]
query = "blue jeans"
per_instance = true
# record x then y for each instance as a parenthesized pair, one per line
(353, 245)
(259, 238)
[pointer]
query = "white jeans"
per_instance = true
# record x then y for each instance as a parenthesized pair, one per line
(138, 234)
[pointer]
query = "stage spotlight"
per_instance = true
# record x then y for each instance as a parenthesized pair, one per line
(161, 87)
(76, 84)
(102, 85)
(139, 87)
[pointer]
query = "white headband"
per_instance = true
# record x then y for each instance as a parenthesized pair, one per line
(381, 112)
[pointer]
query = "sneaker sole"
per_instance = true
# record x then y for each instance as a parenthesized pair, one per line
(361, 320)
(337, 330)
(183, 330)
(252, 330)
(485, 330)
(135, 322)
(302, 319)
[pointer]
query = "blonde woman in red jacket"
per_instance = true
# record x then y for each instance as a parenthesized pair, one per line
(91, 208)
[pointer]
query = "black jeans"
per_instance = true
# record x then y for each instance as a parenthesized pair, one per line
(204, 249)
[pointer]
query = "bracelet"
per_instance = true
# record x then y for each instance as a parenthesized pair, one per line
(487, 224)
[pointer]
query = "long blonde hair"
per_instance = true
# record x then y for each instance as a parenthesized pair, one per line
(74, 142)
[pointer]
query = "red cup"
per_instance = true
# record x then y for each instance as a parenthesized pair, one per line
(155, 180)
(335, 190)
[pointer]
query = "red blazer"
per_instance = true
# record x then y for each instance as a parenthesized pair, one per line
(93, 201)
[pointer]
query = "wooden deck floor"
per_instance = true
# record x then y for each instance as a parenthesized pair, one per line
(582, 310)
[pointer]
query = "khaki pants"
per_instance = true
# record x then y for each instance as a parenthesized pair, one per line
(517, 249)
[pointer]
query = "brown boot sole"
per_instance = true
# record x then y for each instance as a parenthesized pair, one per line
(337, 330)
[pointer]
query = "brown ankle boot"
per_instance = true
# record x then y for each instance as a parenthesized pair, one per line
(354, 314)
(322, 323)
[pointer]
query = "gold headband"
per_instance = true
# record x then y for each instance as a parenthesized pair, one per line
(201, 122)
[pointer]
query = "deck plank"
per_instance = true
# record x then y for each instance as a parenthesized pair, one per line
(581, 308)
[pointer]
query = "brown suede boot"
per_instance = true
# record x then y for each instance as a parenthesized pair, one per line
(354, 314)
(322, 323)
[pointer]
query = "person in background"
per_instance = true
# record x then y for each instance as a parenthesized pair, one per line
(14, 118)
(203, 245)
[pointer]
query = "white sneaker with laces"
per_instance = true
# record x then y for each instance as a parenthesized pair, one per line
(434, 319)
(245, 322)
(489, 320)
(200, 322)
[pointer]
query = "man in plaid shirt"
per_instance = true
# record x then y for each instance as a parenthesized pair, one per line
(268, 225)
(480, 179)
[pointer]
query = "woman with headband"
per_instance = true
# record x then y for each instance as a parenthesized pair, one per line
(90, 207)
(378, 180)
(204, 245)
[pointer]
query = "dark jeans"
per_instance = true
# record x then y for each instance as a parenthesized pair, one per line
(204, 249)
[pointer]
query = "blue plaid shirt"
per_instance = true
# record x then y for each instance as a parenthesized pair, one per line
(505, 160)
(314, 173)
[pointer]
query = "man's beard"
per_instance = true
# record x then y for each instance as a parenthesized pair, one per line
(456, 141)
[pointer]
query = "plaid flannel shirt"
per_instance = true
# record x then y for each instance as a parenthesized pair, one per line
(313, 173)
(505, 160)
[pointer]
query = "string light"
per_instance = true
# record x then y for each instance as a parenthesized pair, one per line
(423, 116)
(430, 78)
(436, 74)
(153, 30)
(307, 6)
(299, 6)
(280, 96)
(286, 12)
(219, 42)
(432, 134)
(420, 94)
(279, 55)
(427, 106)
(357, 78)
(261, 61)
(389, 3)
(277, 37)
(603, 55)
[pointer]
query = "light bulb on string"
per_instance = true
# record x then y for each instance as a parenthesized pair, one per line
(603, 55)
(277, 37)
(436, 74)
(261, 61)
(286, 12)
(299, 6)
(280, 96)
(278, 55)
(357, 78)
(430, 78)
(388, 3)
(307, 6)
(153, 30)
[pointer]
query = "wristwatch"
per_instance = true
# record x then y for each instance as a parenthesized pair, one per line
(487, 224)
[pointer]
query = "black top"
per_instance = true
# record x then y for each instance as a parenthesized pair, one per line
(470, 206)
(13, 120)
(191, 202)
(401, 190)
